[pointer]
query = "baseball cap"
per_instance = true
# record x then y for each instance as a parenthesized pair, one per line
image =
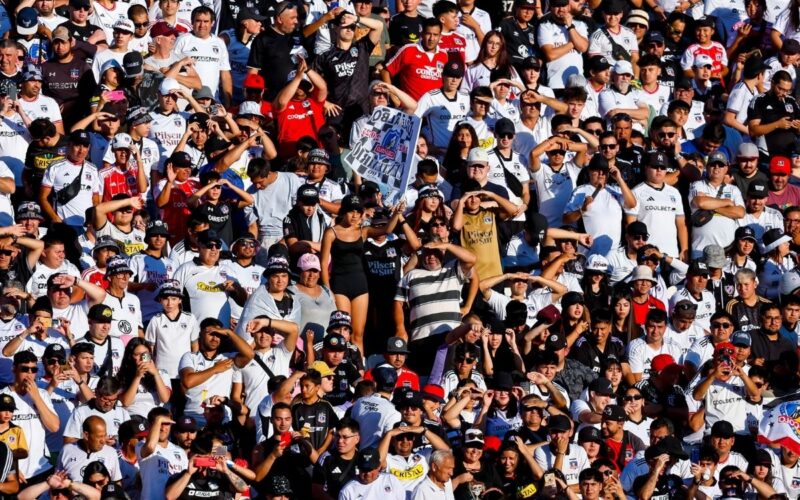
(208, 236)
(433, 392)
(186, 424)
(162, 28)
(614, 6)
(623, 67)
(590, 435)
(308, 262)
(774, 238)
(27, 21)
(747, 150)
(685, 309)
(254, 81)
(334, 342)
(105, 242)
(473, 438)
(669, 445)
(504, 126)
(121, 141)
(156, 228)
(117, 264)
(246, 13)
(320, 156)
(308, 195)
(62, 33)
(32, 72)
(502, 381)
(133, 64)
(276, 264)
(555, 341)
(408, 398)
(638, 16)
(170, 288)
(548, 315)
(654, 36)
(741, 339)
(717, 157)
(124, 24)
(321, 367)
(702, 60)
(250, 108)
(657, 159)
(429, 191)
(100, 313)
(757, 189)
(55, 351)
(168, 86)
(664, 362)
(350, 203)
(29, 210)
(138, 115)
(614, 413)
(477, 155)
(453, 68)
(340, 319)
(596, 264)
(385, 376)
(780, 165)
(637, 228)
(698, 268)
(368, 459)
(601, 386)
(7, 403)
(558, 423)
(396, 345)
(744, 233)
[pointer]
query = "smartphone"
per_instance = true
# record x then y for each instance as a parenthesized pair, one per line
(214, 109)
(333, 5)
(56, 322)
(286, 439)
(11, 92)
(550, 480)
(114, 95)
(146, 357)
(46, 322)
(205, 462)
(220, 451)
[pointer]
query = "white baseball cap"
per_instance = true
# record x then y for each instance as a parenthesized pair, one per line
(168, 85)
(623, 68)
(703, 60)
(121, 141)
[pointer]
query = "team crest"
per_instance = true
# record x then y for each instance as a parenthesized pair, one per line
(354, 52)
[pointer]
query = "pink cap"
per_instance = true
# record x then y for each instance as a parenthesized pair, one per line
(309, 261)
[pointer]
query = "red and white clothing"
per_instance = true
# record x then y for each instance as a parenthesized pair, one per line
(115, 181)
(96, 277)
(417, 71)
(715, 50)
(454, 43)
(176, 213)
(405, 378)
(298, 119)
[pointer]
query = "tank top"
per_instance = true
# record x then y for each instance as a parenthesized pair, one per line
(346, 256)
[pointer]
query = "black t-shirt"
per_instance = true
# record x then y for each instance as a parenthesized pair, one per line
(770, 350)
(520, 42)
(344, 377)
(333, 472)
(38, 158)
(482, 480)
(314, 420)
(271, 54)
(629, 163)
(404, 29)
(213, 484)
(347, 73)
(383, 264)
(668, 487)
(497, 9)
(746, 318)
(768, 108)
(587, 352)
(70, 84)
(81, 33)
(17, 270)
(294, 464)
(219, 217)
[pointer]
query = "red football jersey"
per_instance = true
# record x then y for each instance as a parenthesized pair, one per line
(416, 71)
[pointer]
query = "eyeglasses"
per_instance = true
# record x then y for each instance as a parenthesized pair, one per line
(608, 472)
(608, 146)
(505, 136)
(719, 324)
(637, 397)
(213, 245)
(345, 438)
(667, 135)
(706, 66)
(28, 369)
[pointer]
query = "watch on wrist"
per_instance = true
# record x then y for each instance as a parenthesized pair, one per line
(571, 27)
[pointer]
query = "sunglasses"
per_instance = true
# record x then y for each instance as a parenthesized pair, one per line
(664, 135)
(658, 167)
(462, 359)
(53, 361)
(213, 246)
(608, 146)
(6, 253)
(637, 26)
(405, 437)
(719, 324)
(379, 94)
(249, 243)
(505, 136)
(141, 25)
(554, 152)
(28, 369)
(438, 224)
(637, 237)
(595, 131)
(637, 397)
(97, 483)
(351, 27)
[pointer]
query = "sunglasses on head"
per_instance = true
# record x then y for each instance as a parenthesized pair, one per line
(621, 117)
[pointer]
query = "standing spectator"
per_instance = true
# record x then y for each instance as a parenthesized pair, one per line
(612, 39)
(417, 68)
(444, 107)
(91, 447)
(208, 372)
(370, 482)
(473, 25)
(72, 194)
(773, 118)
(563, 40)
(299, 109)
(158, 458)
(70, 93)
(34, 103)
(173, 192)
(273, 52)
(213, 66)
(121, 34)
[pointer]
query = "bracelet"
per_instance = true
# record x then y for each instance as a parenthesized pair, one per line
(571, 27)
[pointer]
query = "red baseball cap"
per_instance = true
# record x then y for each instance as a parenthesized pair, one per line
(253, 81)
(780, 165)
(433, 392)
(723, 346)
(664, 362)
